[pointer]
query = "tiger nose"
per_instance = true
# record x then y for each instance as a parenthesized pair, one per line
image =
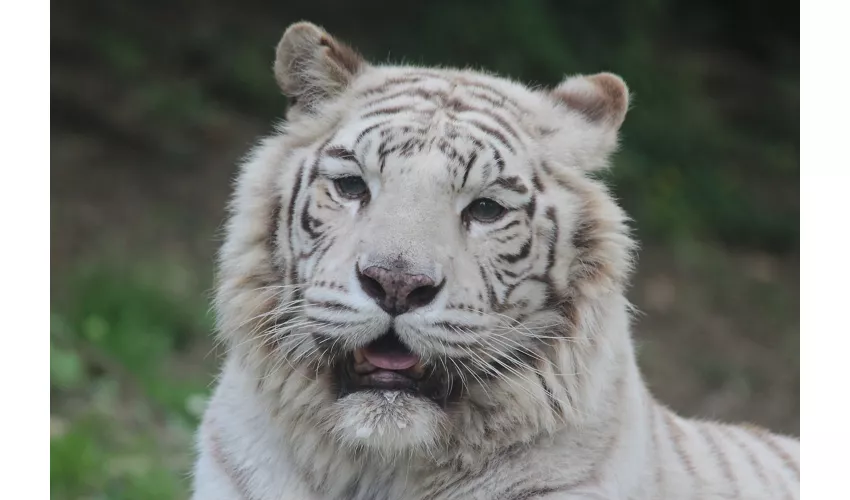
(395, 291)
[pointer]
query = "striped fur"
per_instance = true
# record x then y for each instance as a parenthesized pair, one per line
(542, 399)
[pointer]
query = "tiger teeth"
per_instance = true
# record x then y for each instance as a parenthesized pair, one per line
(418, 370)
(360, 364)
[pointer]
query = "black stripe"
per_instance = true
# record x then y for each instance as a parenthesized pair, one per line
(295, 192)
(509, 225)
(535, 180)
(550, 396)
(500, 162)
(552, 215)
(512, 183)
(330, 197)
(333, 306)
(392, 110)
(406, 149)
(491, 294)
(487, 98)
(428, 95)
(480, 146)
(343, 154)
(314, 172)
(494, 133)
(461, 107)
(396, 81)
(449, 150)
(506, 239)
(583, 239)
(366, 130)
(384, 151)
(493, 90)
(499, 277)
(324, 249)
(309, 223)
(540, 491)
(524, 251)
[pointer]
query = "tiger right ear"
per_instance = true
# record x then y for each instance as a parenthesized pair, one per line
(602, 99)
(311, 66)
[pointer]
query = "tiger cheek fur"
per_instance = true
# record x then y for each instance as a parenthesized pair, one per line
(422, 295)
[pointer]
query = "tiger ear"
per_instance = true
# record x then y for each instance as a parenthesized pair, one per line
(311, 66)
(602, 99)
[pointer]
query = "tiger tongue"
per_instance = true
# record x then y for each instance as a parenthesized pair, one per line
(390, 360)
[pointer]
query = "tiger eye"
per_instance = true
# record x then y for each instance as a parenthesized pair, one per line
(485, 210)
(352, 187)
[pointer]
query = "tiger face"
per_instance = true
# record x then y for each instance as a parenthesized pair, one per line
(418, 249)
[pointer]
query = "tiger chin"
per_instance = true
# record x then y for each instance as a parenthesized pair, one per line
(422, 295)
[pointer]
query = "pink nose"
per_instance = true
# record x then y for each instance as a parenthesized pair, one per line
(397, 292)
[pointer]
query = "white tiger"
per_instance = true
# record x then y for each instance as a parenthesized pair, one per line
(422, 295)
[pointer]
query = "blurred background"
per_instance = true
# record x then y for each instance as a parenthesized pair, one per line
(154, 102)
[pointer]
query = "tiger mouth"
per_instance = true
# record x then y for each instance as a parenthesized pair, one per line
(386, 364)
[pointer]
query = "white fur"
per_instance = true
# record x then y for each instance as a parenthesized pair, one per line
(276, 429)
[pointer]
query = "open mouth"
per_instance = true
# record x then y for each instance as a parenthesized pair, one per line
(386, 364)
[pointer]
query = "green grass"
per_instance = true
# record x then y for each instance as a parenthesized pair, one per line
(126, 383)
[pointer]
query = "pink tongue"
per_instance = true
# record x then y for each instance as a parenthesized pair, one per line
(390, 360)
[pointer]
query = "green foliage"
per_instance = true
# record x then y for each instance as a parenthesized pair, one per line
(128, 405)
(76, 463)
(86, 462)
(66, 367)
(689, 165)
(693, 156)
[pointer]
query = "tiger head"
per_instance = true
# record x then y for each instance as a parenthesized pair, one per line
(421, 258)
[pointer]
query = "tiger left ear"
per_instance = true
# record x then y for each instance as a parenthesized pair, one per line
(602, 99)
